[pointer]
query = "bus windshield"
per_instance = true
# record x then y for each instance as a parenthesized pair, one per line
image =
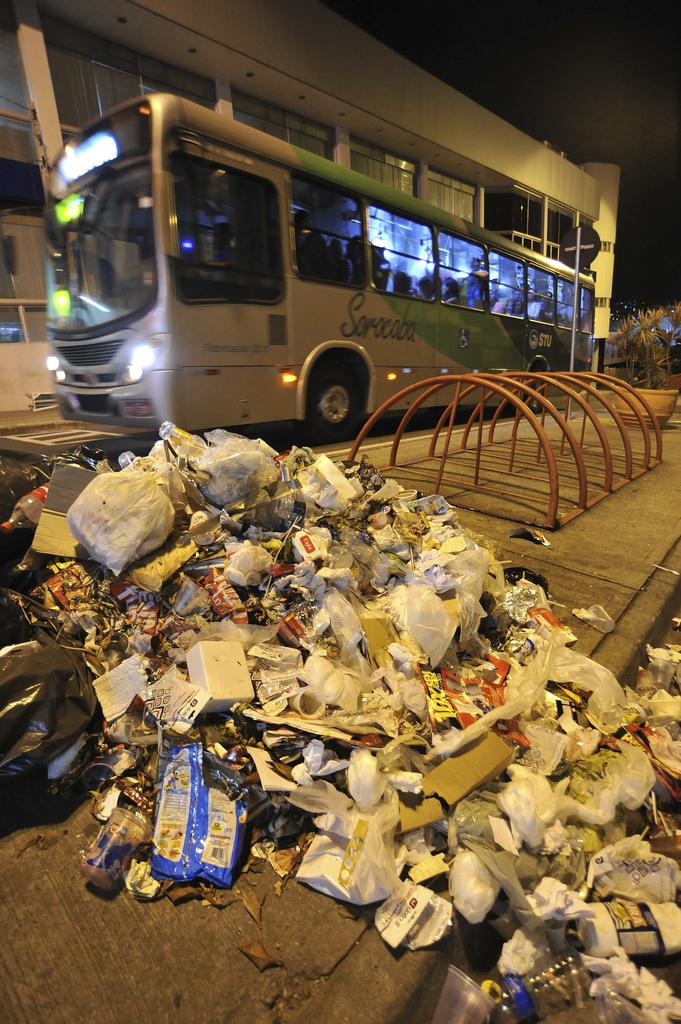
(101, 264)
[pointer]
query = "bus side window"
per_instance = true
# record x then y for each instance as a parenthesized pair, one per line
(328, 234)
(566, 293)
(228, 234)
(541, 292)
(463, 272)
(402, 260)
(586, 320)
(506, 284)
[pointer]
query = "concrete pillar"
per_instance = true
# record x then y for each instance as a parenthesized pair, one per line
(479, 206)
(608, 178)
(544, 225)
(39, 80)
(341, 146)
(422, 183)
(223, 93)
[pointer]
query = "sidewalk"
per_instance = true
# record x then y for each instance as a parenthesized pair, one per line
(68, 954)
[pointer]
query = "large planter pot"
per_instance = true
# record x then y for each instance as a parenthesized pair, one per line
(662, 401)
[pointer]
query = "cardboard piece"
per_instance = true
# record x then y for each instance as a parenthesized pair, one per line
(459, 775)
(52, 535)
(425, 813)
(379, 632)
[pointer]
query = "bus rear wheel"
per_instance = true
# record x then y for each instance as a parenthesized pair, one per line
(333, 404)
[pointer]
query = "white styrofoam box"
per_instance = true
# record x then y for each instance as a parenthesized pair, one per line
(219, 666)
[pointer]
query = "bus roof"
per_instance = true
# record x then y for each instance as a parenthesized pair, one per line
(183, 113)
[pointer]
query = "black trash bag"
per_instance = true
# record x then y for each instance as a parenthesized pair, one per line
(14, 629)
(83, 456)
(16, 479)
(46, 702)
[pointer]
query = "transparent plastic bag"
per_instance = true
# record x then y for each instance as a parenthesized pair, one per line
(236, 467)
(119, 517)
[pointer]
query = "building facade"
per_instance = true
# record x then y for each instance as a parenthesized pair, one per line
(295, 70)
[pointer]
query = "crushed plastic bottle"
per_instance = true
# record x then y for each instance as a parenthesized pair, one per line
(27, 511)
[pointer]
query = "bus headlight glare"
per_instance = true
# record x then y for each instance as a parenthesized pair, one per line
(52, 363)
(135, 373)
(142, 357)
(60, 375)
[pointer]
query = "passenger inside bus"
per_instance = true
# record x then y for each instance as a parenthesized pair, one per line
(223, 243)
(311, 252)
(475, 284)
(380, 267)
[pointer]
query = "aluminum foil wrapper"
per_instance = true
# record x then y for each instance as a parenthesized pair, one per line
(518, 600)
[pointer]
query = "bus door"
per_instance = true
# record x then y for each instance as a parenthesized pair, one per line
(230, 321)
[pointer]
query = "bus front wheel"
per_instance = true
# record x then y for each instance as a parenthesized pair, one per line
(333, 404)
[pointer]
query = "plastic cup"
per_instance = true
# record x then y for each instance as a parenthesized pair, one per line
(462, 1001)
(111, 851)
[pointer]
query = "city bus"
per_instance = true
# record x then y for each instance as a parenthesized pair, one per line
(204, 272)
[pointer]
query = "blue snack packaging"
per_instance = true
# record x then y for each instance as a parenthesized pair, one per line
(200, 820)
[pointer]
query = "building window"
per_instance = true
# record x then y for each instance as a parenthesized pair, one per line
(328, 229)
(559, 222)
(387, 167)
(401, 254)
(602, 302)
(517, 215)
(267, 117)
(91, 74)
(449, 194)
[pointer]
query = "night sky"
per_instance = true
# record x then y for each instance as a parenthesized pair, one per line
(601, 82)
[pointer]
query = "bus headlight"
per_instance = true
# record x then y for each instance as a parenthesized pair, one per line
(135, 373)
(52, 363)
(142, 356)
(60, 375)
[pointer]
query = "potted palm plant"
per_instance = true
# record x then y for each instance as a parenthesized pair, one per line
(645, 341)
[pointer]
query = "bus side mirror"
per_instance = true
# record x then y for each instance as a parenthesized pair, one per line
(9, 254)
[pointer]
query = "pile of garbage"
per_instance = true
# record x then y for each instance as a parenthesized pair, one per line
(281, 657)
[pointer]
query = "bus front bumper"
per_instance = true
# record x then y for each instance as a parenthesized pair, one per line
(143, 404)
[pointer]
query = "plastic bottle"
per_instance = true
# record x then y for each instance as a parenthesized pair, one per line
(126, 459)
(559, 982)
(184, 443)
(27, 510)
(276, 516)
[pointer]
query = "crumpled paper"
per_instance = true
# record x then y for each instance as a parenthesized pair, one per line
(619, 974)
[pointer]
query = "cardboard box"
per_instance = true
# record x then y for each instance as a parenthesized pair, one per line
(459, 775)
(219, 666)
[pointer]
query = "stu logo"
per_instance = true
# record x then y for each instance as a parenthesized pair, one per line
(360, 326)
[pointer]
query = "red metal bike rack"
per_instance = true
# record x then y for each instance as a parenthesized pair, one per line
(565, 448)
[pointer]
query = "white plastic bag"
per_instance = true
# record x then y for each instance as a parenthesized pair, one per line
(366, 784)
(473, 888)
(331, 682)
(421, 614)
(530, 804)
(119, 517)
(246, 563)
(353, 856)
(236, 467)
